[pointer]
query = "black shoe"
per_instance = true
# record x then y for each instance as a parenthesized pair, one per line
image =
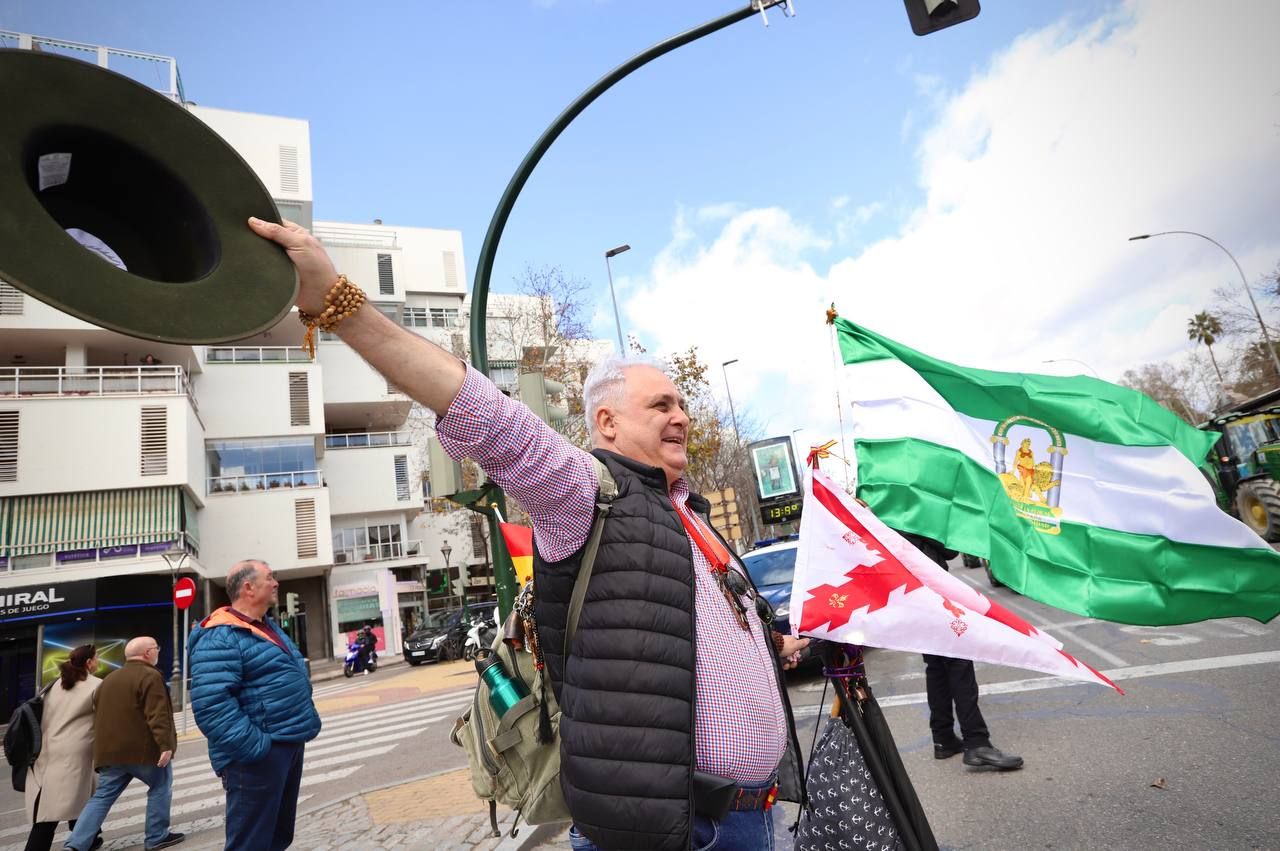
(948, 750)
(170, 839)
(991, 758)
(97, 843)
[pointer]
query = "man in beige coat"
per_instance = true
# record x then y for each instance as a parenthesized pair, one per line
(136, 738)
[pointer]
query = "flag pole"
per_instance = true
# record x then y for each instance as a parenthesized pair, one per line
(832, 315)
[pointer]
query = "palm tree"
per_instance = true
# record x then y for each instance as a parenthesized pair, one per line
(1205, 328)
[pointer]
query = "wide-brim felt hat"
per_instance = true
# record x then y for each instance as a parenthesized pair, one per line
(84, 148)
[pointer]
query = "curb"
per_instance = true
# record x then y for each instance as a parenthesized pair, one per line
(336, 673)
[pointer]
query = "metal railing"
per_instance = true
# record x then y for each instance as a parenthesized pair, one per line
(260, 482)
(377, 552)
(96, 381)
(171, 86)
(362, 440)
(257, 354)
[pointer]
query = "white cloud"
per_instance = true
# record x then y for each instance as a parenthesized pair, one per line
(1158, 116)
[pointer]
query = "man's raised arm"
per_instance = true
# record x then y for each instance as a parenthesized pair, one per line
(419, 368)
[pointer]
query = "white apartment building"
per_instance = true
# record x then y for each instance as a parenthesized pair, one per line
(125, 462)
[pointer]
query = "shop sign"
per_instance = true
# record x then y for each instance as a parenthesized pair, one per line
(44, 602)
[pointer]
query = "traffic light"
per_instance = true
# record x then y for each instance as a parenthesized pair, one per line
(291, 603)
(443, 474)
(928, 16)
(536, 391)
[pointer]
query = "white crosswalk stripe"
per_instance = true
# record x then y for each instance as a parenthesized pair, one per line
(345, 744)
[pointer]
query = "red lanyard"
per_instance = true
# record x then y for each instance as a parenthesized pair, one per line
(711, 547)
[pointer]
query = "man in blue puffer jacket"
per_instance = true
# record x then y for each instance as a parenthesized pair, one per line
(252, 700)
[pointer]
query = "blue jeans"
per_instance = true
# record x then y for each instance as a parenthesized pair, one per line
(748, 830)
(262, 799)
(112, 781)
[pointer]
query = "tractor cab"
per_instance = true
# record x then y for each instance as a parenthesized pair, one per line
(1246, 465)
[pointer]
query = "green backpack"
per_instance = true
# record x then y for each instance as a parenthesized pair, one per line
(515, 759)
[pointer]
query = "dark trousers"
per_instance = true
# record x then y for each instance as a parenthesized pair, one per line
(41, 836)
(951, 681)
(262, 799)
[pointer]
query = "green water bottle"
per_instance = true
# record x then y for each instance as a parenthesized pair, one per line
(505, 691)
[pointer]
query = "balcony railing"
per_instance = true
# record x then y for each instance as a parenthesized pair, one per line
(257, 354)
(96, 381)
(260, 482)
(377, 552)
(362, 440)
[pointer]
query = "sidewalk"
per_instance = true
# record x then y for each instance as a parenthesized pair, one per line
(331, 669)
(437, 811)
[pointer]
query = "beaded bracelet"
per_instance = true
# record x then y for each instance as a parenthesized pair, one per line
(343, 299)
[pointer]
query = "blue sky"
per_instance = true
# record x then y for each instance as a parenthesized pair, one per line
(968, 193)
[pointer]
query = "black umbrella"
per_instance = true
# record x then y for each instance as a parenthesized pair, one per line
(859, 710)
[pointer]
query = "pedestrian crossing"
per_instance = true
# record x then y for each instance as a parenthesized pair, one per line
(346, 743)
(318, 693)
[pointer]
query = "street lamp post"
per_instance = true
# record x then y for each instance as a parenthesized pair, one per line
(614, 252)
(1266, 337)
(732, 413)
(175, 671)
(446, 551)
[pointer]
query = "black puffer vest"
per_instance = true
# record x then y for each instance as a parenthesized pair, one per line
(626, 691)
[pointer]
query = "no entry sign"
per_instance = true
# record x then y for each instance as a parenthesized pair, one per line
(184, 592)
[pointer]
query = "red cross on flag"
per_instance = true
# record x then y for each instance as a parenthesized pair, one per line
(859, 582)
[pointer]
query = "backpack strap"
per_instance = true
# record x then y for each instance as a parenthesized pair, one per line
(606, 492)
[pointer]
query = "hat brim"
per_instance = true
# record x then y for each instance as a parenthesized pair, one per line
(84, 147)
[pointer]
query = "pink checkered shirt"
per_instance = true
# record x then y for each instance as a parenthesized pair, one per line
(741, 726)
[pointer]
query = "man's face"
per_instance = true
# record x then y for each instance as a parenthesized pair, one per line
(649, 424)
(263, 588)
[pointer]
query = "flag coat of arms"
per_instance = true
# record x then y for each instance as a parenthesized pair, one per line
(1084, 495)
(859, 582)
(519, 541)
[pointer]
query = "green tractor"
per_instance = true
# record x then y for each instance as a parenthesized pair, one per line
(1244, 466)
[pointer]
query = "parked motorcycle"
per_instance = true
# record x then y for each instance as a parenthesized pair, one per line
(481, 636)
(352, 665)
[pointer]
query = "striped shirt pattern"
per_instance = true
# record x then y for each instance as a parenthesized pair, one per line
(741, 727)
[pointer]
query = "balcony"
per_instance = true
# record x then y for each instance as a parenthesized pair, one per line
(364, 440)
(256, 354)
(47, 381)
(259, 482)
(378, 552)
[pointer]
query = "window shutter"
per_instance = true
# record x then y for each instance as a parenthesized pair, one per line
(386, 280)
(392, 390)
(289, 168)
(299, 400)
(155, 441)
(402, 478)
(8, 446)
(451, 270)
(477, 536)
(10, 300)
(304, 521)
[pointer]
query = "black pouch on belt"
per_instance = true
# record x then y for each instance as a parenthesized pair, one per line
(712, 795)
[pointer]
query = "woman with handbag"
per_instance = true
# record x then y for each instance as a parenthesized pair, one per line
(61, 780)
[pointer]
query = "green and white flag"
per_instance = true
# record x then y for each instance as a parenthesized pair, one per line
(1083, 494)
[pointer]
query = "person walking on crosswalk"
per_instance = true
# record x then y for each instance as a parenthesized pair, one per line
(252, 700)
(135, 738)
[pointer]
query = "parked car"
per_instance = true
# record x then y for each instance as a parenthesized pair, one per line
(772, 567)
(440, 639)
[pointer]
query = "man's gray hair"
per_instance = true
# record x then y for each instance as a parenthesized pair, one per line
(604, 383)
(241, 573)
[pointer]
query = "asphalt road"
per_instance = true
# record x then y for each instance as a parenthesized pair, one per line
(1187, 758)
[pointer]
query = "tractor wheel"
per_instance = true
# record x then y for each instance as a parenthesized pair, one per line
(1258, 502)
(991, 577)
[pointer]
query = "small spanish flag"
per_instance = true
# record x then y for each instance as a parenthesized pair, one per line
(520, 545)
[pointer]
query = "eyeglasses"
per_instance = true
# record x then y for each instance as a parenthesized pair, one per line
(734, 586)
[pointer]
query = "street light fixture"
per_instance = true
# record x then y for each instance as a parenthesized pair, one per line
(180, 554)
(446, 551)
(727, 392)
(611, 253)
(1073, 360)
(1266, 338)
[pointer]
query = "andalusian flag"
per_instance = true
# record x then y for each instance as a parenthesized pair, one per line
(1084, 495)
(519, 541)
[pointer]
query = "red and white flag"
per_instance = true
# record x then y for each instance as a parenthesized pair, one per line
(859, 582)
